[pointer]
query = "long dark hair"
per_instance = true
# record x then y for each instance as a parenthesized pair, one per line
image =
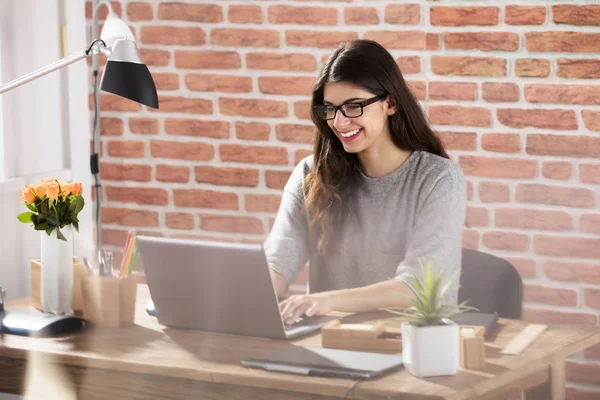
(366, 64)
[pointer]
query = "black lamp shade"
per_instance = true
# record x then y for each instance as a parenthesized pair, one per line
(130, 80)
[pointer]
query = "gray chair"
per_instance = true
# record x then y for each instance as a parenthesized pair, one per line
(491, 284)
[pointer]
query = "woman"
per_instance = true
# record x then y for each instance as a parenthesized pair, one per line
(378, 196)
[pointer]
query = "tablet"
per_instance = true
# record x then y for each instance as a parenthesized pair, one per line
(315, 361)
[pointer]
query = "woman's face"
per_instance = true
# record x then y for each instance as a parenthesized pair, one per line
(363, 132)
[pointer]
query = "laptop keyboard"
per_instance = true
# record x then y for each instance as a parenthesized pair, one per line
(300, 322)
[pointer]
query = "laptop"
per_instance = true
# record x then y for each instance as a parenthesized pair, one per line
(216, 287)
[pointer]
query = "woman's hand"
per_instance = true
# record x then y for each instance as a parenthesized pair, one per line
(311, 304)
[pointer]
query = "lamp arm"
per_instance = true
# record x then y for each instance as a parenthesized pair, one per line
(96, 46)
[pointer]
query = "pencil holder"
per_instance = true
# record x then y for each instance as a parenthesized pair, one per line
(109, 302)
(472, 348)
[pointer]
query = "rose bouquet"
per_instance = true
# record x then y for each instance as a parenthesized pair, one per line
(53, 204)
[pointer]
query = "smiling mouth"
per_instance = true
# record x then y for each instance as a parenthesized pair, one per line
(350, 133)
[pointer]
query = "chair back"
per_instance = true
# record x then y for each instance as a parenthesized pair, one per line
(491, 284)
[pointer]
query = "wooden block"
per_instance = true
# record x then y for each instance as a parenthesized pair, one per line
(524, 338)
(479, 330)
(472, 352)
(109, 302)
(374, 336)
(79, 272)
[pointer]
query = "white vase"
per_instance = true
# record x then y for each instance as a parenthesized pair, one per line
(56, 278)
(431, 350)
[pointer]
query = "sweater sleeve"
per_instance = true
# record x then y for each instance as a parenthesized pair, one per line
(436, 236)
(286, 247)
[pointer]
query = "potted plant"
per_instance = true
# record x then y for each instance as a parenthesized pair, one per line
(53, 209)
(430, 340)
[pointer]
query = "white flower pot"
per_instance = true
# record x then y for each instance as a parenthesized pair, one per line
(56, 277)
(431, 350)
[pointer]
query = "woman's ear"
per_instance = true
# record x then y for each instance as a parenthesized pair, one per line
(391, 105)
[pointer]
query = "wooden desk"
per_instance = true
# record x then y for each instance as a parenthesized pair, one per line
(150, 361)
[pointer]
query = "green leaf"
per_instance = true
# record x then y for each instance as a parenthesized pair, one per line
(32, 207)
(44, 206)
(25, 217)
(59, 235)
(52, 220)
(79, 204)
(42, 227)
(76, 226)
(49, 230)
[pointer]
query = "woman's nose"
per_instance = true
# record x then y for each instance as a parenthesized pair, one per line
(340, 119)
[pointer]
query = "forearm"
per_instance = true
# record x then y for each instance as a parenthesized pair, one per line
(386, 294)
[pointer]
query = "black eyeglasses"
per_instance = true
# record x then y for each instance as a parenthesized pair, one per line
(350, 110)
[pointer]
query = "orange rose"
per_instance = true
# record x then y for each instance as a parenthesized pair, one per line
(40, 190)
(52, 190)
(65, 188)
(27, 195)
(46, 180)
(76, 188)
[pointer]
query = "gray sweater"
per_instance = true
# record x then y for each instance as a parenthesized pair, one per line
(413, 214)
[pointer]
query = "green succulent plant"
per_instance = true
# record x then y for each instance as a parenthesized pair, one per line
(429, 306)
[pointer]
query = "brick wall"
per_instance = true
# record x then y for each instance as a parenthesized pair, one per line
(510, 88)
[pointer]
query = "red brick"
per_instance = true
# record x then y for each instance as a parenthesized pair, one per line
(231, 224)
(591, 297)
(563, 145)
(409, 64)
(508, 241)
(555, 195)
(567, 246)
(464, 16)
(329, 39)
(139, 11)
(166, 81)
(129, 217)
(245, 14)
(218, 83)
(592, 352)
(402, 14)
(301, 154)
(578, 68)
(581, 394)
(470, 239)
(477, 216)
(573, 272)
(200, 198)
(582, 372)
(559, 170)
(290, 85)
(562, 94)
(543, 316)
(537, 118)
(172, 173)
(227, 176)
(302, 109)
(281, 62)
(179, 220)
(459, 115)
(173, 35)
(111, 102)
(544, 220)
(197, 128)
(499, 92)
(114, 237)
(262, 202)
(125, 172)
(253, 154)
(207, 59)
(524, 15)
(190, 12)
(458, 140)
(126, 148)
(138, 195)
(591, 119)
(252, 130)
(295, 133)
(484, 41)
(181, 104)
(152, 57)
(245, 37)
(526, 267)
(102, 11)
(465, 91)
(590, 223)
(494, 192)
(361, 16)
(111, 126)
(468, 66)
(561, 41)
(281, 14)
(501, 142)
(497, 167)
(253, 107)
(143, 125)
(549, 295)
(411, 40)
(418, 89)
(470, 190)
(532, 67)
(588, 14)
(194, 151)
(277, 179)
(432, 41)
(589, 173)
